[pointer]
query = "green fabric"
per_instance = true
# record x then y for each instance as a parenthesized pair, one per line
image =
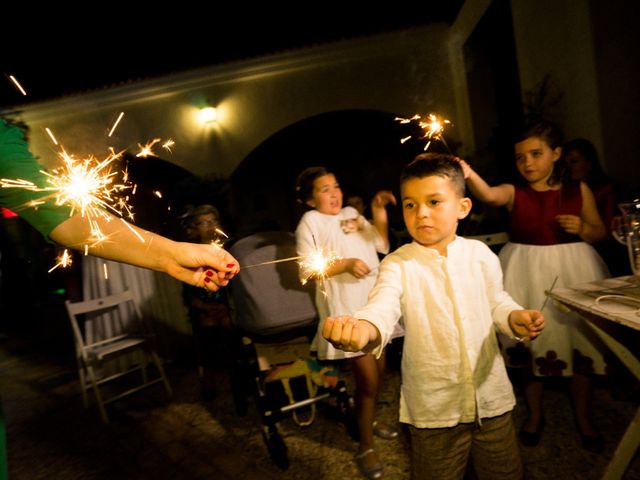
(17, 162)
(4, 475)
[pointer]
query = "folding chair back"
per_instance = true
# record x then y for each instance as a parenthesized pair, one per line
(97, 347)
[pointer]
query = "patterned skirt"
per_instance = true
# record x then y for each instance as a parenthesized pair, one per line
(567, 344)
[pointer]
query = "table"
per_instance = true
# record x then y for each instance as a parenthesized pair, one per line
(611, 322)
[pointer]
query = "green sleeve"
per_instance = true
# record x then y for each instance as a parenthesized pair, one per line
(18, 163)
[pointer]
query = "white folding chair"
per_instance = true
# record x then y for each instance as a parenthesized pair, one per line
(95, 355)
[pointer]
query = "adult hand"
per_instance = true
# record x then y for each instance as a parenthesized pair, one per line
(202, 265)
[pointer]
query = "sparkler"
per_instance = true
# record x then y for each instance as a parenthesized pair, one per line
(116, 124)
(92, 187)
(146, 151)
(313, 265)
(53, 139)
(88, 186)
(271, 262)
(316, 264)
(17, 84)
(433, 126)
(64, 260)
(546, 299)
(168, 144)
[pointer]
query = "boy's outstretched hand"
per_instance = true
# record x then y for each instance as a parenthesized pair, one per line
(350, 334)
(526, 324)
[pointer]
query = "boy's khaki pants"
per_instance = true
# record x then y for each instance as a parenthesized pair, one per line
(443, 453)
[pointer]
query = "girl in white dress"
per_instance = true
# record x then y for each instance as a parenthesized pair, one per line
(349, 236)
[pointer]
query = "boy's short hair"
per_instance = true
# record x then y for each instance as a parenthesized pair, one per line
(438, 164)
(304, 182)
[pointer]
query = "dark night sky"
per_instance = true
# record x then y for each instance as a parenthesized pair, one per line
(71, 57)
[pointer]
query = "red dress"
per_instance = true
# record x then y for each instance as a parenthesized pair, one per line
(539, 250)
(533, 217)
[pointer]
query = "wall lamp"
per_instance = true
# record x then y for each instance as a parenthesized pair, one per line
(208, 115)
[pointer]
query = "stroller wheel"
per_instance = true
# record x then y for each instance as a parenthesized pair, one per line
(347, 412)
(276, 446)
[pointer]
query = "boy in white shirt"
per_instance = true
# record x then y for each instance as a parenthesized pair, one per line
(455, 396)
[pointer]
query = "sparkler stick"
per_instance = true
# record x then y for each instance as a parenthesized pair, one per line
(544, 304)
(270, 262)
(314, 264)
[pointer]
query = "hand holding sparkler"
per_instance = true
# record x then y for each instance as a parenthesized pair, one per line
(526, 324)
(207, 266)
(466, 168)
(350, 334)
(201, 265)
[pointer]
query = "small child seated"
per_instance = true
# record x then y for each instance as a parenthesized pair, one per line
(455, 396)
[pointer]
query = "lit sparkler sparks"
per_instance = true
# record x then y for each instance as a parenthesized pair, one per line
(168, 144)
(88, 186)
(316, 264)
(64, 260)
(146, 150)
(218, 242)
(17, 84)
(116, 124)
(433, 126)
(53, 139)
(313, 265)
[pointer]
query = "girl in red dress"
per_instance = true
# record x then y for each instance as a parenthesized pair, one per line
(553, 221)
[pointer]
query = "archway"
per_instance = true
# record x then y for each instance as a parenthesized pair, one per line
(362, 147)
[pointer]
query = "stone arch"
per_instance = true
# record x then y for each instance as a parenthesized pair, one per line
(362, 147)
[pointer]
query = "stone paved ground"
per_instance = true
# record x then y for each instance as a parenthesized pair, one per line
(51, 436)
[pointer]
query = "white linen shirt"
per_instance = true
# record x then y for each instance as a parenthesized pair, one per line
(452, 369)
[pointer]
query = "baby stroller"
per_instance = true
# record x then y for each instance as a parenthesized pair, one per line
(277, 318)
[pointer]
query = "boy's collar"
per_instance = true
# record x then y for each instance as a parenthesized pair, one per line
(433, 252)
